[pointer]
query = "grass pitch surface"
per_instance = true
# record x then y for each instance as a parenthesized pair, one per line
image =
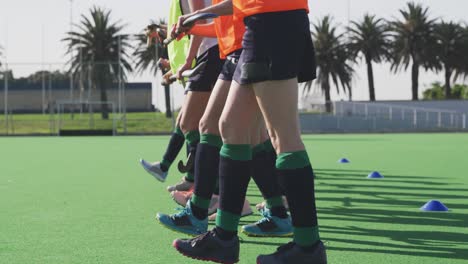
(87, 200)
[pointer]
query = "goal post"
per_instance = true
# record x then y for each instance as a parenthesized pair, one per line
(85, 118)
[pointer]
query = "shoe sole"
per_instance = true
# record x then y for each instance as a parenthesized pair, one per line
(176, 230)
(267, 235)
(174, 244)
(156, 176)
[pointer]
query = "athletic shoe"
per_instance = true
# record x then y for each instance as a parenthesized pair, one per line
(262, 205)
(154, 169)
(292, 253)
(183, 186)
(184, 222)
(246, 211)
(269, 226)
(181, 197)
(209, 247)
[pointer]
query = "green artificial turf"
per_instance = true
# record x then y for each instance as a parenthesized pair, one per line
(87, 200)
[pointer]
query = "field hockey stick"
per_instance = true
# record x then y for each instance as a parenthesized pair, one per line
(190, 22)
(184, 168)
(188, 74)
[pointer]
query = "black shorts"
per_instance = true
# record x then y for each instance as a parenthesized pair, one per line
(277, 46)
(230, 65)
(206, 78)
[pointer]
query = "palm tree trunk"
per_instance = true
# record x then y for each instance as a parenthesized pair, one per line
(448, 88)
(103, 95)
(167, 94)
(415, 80)
(326, 89)
(370, 78)
(104, 107)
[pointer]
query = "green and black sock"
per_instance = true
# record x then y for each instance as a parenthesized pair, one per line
(173, 148)
(265, 176)
(297, 178)
(235, 167)
(192, 138)
(206, 173)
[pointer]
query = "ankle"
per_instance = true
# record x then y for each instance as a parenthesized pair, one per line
(224, 234)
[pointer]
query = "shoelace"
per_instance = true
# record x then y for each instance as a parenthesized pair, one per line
(266, 217)
(200, 239)
(182, 212)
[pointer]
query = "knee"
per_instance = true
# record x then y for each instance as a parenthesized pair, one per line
(208, 126)
(185, 125)
(188, 123)
(286, 143)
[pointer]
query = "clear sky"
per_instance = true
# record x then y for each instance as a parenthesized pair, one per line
(31, 30)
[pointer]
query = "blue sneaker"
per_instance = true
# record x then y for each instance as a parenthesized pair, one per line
(154, 169)
(269, 226)
(184, 222)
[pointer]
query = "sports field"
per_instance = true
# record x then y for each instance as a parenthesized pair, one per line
(87, 200)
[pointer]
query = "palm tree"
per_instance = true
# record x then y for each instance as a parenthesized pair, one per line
(99, 47)
(147, 58)
(413, 41)
(370, 38)
(462, 70)
(333, 59)
(450, 50)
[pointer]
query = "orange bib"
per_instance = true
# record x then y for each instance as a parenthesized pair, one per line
(245, 8)
(230, 31)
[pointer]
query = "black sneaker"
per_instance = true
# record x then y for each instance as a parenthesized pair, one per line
(209, 247)
(292, 253)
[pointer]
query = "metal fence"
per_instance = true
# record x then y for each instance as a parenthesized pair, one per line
(360, 117)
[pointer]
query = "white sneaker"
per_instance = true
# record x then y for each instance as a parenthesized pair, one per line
(154, 169)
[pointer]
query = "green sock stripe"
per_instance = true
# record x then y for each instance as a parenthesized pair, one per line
(306, 236)
(268, 146)
(274, 202)
(192, 137)
(227, 221)
(212, 140)
(166, 163)
(237, 152)
(200, 202)
(292, 160)
(190, 177)
(178, 131)
(258, 148)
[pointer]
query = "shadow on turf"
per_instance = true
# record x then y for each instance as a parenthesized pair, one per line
(416, 243)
